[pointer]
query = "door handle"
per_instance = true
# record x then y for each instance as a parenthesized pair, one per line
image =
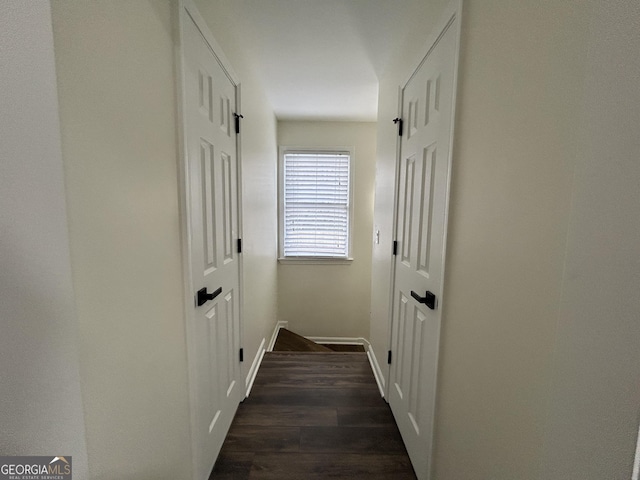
(429, 299)
(203, 297)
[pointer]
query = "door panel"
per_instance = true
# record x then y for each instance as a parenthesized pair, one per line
(212, 171)
(423, 178)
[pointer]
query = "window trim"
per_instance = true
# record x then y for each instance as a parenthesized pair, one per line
(282, 151)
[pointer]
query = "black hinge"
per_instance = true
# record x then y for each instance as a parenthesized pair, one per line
(395, 247)
(239, 245)
(389, 357)
(238, 117)
(398, 121)
(242, 354)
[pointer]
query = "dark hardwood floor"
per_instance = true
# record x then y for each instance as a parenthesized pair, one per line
(339, 347)
(313, 415)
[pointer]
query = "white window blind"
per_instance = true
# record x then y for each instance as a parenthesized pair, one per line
(316, 204)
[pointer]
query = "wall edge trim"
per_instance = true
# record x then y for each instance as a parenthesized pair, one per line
(377, 371)
(255, 366)
(279, 324)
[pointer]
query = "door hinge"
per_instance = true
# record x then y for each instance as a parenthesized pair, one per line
(395, 247)
(239, 245)
(398, 121)
(242, 354)
(238, 116)
(389, 357)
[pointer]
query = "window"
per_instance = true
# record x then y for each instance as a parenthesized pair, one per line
(315, 203)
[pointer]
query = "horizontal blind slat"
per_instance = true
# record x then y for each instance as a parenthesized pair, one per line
(316, 204)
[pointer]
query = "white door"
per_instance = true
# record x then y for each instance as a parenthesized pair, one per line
(212, 183)
(423, 179)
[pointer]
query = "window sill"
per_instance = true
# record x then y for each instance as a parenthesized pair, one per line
(315, 261)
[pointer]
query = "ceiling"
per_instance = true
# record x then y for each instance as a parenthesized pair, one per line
(322, 59)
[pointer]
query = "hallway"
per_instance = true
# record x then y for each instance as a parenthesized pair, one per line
(313, 416)
(538, 365)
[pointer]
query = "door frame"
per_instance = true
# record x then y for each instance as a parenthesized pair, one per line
(452, 11)
(185, 11)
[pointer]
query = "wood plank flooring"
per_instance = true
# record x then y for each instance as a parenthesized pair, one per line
(313, 416)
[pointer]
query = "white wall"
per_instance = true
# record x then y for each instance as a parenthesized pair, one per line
(520, 88)
(521, 73)
(115, 66)
(424, 16)
(333, 300)
(259, 184)
(40, 406)
(594, 407)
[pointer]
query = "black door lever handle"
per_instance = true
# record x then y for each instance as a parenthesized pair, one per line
(429, 299)
(203, 297)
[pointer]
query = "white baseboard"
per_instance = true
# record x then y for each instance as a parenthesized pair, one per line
(339, 340)
(377, 371)
(274, 335)
(253, 371)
